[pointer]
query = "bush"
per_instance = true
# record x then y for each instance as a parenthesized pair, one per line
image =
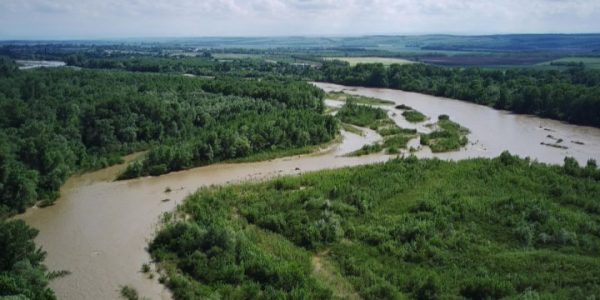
(486, 288)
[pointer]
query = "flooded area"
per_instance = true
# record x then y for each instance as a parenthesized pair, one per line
(492, 131)
(99, 228)
(32, 64)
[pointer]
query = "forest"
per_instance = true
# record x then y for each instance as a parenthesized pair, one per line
(57, 122)
(200, 65)
(572, 95)
(408, 228)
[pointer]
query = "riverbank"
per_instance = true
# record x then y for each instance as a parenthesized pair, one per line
(98, 230)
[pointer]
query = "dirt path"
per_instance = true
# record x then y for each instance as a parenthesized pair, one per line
(325, 271)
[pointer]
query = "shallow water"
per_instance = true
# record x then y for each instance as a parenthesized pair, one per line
(99, 228)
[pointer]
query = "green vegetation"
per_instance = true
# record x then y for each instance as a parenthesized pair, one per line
(341, 96)
(199, 65)
(129, 293)
(22, 274)
(367, 149)
(413, 116)
(146, 268)
(376, 119)
(352, 129)
(403, 107)
(569, 62)
(446, 136)
(55, 122)
(360, 115)
(393, 230)
(393, 130)
(395, 142)
(572, 95)
(253, 137)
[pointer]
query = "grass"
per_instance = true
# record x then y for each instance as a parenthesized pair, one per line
(398, 141)
(367, 149)
(341, 96)
(409, 228)
(353, 61)
(393, 130)
(414, 116)
(352, 129)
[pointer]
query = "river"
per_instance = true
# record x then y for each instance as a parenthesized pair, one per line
(99, 228)
(33, 64)
(492, 131)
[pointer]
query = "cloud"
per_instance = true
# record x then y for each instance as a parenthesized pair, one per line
(127, 18)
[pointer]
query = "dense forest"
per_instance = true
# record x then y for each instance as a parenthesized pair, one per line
(56, 122)
(572, 95)
(424, 229)
(201, 65)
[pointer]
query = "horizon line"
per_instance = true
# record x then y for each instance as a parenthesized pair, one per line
(116, 38)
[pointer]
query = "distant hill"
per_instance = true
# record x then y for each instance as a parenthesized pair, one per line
(561, 43)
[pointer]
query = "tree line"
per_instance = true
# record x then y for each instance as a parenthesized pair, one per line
(572, 95)
(54, 122)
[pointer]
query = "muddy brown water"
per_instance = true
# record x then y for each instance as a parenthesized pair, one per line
(99, 228)
(492, 131)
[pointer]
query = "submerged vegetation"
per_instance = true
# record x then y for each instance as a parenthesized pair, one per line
(446, 136)
(392, 230)
(414, 116)
(360, 115)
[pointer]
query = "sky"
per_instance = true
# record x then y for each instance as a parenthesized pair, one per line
(90, 19)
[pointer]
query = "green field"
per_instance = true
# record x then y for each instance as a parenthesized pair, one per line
(588, 62)
(371, 60)
(409, 228)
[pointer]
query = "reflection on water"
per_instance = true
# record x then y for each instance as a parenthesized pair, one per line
(99, 229)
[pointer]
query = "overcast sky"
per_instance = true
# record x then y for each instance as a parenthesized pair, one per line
(166, 18)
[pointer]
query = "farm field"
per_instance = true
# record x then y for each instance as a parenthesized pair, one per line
(353, 61)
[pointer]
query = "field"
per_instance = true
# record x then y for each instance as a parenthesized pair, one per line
(353, 61)
(588, 62)
(409, 228)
